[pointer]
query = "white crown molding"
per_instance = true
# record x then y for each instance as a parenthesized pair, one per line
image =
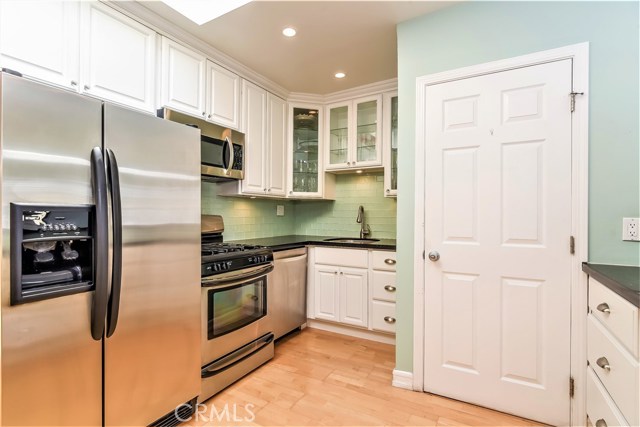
(166, 28)
(344, 95)
(361, 91)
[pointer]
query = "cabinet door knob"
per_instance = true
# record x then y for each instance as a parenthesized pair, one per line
(603, 363)
(388, 191)
(74, 83)
(390, 261)
(601, 423)
(390, 288)
(341, 272)
(604, 307)
(204, 114)
(209, 116)
(87, 87)
(335, 272)
(269, 190)
(290, 191)
(389, 319)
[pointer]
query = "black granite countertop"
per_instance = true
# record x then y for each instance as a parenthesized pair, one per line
(621, 279)
(280, 243)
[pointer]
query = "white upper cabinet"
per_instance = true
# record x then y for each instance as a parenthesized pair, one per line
(117, 57)
(354, 137)
(255, 126)
(223, 96)
(276, 139)
(183, 78)
(40, 39)
(390, 142)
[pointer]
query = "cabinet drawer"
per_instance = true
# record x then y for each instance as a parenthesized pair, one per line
(615, 367)
(342, 257)
(383, 285)
(619, 316)
(383, 316)
(601, 410)
(383, 260)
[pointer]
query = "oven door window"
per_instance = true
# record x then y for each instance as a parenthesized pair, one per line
(233, 307)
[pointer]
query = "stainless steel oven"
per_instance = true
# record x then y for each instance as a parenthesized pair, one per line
(237, 334)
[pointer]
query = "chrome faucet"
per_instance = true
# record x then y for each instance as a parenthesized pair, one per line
(365, 230)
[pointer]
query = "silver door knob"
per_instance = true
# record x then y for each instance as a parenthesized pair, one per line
(74, 83)
(434, 256)
(601, 423)
(604, 307)
(389, 319)
(603, 363)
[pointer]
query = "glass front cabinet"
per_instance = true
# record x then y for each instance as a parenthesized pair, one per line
(306, 173)
(390, 129)
(353, 134)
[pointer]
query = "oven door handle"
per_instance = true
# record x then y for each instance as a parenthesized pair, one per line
(236, 357)
(234, 277)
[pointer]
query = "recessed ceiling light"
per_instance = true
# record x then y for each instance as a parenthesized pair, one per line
(340, 75)
(358, 171)
(289, 32)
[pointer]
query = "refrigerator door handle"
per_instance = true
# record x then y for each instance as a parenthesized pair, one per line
(100, 244)
(116, 214)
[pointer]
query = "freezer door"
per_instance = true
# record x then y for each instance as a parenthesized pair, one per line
(51, 366)
(152, 358)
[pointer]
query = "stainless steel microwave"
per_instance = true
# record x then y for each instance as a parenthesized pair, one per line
(221, 148)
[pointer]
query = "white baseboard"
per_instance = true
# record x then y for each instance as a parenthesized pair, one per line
(402, 379)
(353, 332)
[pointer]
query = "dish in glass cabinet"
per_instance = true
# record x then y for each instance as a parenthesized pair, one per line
(305, 121)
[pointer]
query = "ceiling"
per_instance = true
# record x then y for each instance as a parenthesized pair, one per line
(356, 37)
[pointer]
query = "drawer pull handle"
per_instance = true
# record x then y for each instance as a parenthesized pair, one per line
(390, 261)
(601, 423)
(390, 288)
(603, 363)
(604, 307)
(389, 319)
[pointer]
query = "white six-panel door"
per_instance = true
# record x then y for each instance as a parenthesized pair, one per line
(498, 213)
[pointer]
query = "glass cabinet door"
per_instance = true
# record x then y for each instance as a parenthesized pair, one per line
(390, 130)
(394, 144)
(339, 135)
(366, 131)
(305, 150)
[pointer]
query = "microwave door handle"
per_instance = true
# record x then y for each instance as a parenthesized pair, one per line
(116, 213)
(229, 166)
(100, 243)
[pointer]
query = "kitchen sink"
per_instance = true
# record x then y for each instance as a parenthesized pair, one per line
(351, 240)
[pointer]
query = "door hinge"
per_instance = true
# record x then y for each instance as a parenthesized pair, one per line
(423, 254)
(572, 387)
(572, 245)
(573, 100)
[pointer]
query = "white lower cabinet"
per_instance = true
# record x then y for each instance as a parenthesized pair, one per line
(353, 287)
(341, 294)
(613, 372)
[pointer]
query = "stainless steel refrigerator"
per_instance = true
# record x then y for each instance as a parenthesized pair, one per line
(100, 313)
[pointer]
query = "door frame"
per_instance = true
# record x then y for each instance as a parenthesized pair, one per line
(579, 53)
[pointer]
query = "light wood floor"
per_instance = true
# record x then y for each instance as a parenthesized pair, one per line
(322, 378)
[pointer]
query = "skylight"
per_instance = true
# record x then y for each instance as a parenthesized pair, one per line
(202, 11)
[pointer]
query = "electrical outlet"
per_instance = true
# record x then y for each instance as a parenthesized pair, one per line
(279, 210)
(630, 229)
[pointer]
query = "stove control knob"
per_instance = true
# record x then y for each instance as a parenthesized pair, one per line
(250, 260)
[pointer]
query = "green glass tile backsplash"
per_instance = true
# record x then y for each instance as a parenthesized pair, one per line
(253, 218)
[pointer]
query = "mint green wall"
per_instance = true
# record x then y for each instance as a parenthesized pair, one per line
(477, 32)
(246, 218)
(338, 218)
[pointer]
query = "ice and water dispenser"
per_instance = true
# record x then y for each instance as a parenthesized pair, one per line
(51, 251)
